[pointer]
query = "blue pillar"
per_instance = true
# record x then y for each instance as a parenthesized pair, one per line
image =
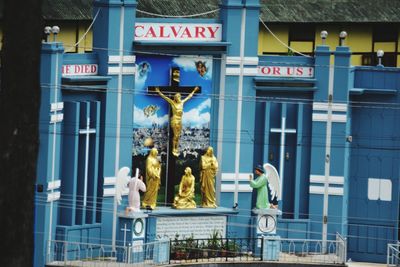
(318, 141)
(113, 33)
(340, 153)
(330, 153)
(240, 29)
(48, 165)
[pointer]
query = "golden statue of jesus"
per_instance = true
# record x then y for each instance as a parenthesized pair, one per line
(176, 120)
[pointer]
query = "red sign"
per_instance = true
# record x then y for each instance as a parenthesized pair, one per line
(82, 69)
(286, 71)
(187, 32)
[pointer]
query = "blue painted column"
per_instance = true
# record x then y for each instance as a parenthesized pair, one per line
(48, 166)
(330, 153)
(236, 130)
(318, 140)
(113, 33)
(340, 153)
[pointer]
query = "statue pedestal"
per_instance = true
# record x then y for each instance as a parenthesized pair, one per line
(200, 223)
(265, 221)
(131, 236)
(265, 225)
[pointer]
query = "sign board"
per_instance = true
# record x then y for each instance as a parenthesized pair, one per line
(81, 69)
(199, 226)
(286, 71)
(183, 32)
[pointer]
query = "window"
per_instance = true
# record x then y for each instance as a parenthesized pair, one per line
(379, 189)
(302, 33)
(302, 38)
(385, 37)
(385, 33)
(388, 59)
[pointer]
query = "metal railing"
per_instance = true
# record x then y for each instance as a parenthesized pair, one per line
(305, 250)
(63, 253)
(341, 250)
(268, 248)
(189, 250)
(393, 254)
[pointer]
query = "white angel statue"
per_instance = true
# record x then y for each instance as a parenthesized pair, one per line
(273, 181)
(134, 184)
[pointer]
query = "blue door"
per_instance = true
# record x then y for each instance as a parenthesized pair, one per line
(373, 193)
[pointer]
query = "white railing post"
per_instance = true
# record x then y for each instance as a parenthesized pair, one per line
(65, 252)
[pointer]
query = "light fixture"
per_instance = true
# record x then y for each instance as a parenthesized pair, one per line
(324, 35)
(47, 31)
(55, 30)
(342, 36)
(380, 54)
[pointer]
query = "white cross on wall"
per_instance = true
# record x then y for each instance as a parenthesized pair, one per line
(87, 131)
(283, 131)
(125, 230)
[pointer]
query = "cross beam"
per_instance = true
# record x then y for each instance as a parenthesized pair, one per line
(174, 86)
(172, 89)
(86, 131)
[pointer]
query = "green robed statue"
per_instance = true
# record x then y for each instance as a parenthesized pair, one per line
(261, 183)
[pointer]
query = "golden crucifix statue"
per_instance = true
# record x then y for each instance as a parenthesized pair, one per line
(176, 120)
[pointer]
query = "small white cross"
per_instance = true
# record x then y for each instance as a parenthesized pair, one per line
(125, 230)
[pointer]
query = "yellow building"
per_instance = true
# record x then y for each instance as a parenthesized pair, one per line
(370, 24)
(74, 19)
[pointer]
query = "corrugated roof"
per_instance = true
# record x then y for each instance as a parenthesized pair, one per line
(315, 11)
(67, 9)
(178, 7)
(275, 11)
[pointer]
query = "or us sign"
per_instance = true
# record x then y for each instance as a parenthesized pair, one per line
(286, 71)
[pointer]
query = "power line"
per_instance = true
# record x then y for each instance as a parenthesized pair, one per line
(233, 97)
(245, 225)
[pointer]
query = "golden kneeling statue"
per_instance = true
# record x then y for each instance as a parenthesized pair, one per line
(153, 181)
(208, 171)
(176, 119)
(185, 197)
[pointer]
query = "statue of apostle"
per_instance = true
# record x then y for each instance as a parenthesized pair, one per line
(208, 170)
(185, 197)
(153, 181)
(260, 183)
(176, 120)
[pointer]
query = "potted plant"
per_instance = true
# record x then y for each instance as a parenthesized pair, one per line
(191, 247)
(232, 247)
(214, 243)
(177, 249)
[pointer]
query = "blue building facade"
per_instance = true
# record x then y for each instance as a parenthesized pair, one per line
(330, 130)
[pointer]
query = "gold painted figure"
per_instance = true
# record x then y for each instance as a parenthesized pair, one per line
(208, 171)
(185, 197)
(176, 119)
(153, 181)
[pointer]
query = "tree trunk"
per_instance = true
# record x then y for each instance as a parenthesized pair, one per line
(19, 137)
